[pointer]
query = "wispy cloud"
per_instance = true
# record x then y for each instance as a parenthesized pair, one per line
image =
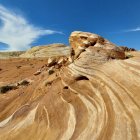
(17, 32)
(132, 30)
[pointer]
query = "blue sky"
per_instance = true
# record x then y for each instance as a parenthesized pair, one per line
(35, 22)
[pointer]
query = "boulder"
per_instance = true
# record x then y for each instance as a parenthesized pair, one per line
(51, 70)
(37, 72)
(84, 41)
(24, 82)
(62, 60)
(51, 61)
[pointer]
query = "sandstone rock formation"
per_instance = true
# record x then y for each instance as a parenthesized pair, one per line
(52, 61)
(37, 72)
(95, 44)
(95, 97)
(46, 51)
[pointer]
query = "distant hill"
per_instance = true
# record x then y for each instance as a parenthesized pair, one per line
(94, 94)
(12, 54)
(47, 51)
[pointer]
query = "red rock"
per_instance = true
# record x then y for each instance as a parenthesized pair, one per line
(82, 41)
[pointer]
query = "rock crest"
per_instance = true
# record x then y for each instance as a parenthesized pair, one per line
(84, 41)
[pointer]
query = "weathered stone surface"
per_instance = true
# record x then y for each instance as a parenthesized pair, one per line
(82, 41)
(24, 82)
(51, 70)
(52, 61)
(91, 98)
(62, 60)
(37, 72)
(50, 50)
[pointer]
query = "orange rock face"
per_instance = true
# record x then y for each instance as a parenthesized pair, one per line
(92, 98)
(83, 41)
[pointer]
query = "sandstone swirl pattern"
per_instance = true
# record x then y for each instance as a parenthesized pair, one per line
(96, 97)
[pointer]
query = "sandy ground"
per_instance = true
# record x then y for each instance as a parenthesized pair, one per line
(105, 105)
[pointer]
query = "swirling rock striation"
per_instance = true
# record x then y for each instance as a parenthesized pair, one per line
(94, 97)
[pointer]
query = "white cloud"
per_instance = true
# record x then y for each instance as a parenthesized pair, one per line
(17, 32)
(133, 30)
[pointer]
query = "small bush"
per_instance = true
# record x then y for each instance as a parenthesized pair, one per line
(7, 88)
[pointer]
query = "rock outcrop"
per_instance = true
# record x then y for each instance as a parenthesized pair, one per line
(51, 50)
(95, 44)
(92, 97)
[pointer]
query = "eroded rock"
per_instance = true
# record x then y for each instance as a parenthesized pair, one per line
(24, 82)
(37, 72)
(84, 41)
(62, 60)
(51, 70)
(51, 61)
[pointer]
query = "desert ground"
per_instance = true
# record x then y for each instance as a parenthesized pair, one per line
(89, 91)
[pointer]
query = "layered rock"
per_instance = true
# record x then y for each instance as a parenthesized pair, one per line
(84, 41)
(89, 99)
(51, 50)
